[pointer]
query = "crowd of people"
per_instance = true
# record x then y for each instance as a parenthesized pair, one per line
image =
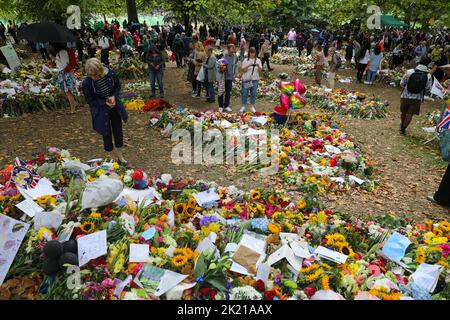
(419, 55)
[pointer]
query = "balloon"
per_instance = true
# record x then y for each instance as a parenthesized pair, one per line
(286, 87)
(299, 86)
(297, 101)
(285, 101)
(280, 110)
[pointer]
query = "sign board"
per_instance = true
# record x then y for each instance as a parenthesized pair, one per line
(11, 56)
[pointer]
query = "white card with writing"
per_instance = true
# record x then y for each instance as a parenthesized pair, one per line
(29, 207)
(91, 246)
(139, 252)
(330, 254)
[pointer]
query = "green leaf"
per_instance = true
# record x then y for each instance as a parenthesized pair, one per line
(200, 267)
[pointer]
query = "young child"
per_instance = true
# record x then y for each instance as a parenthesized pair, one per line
(221, 71)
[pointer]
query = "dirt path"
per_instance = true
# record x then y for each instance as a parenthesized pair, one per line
(409, 171)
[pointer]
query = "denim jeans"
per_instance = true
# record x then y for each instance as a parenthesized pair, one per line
(242, 54)
(253, 90)
(210, 86)
(371, 75)
(156, 75)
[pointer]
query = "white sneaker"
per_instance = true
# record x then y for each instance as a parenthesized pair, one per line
(242, 110)
(252, 109)
(194, 95)
(228, 109)
(220, 109)
(366, 82)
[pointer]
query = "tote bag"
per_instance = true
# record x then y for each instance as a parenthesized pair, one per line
(201, 75)
(444, 144)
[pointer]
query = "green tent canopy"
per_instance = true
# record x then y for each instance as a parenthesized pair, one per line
(390, 21)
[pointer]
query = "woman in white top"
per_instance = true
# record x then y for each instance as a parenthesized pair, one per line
(363, 59)
(66, 78)
(250, 79)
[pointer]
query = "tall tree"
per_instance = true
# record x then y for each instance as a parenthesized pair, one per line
(132, 11)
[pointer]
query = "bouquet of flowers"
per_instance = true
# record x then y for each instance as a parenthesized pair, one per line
(201, 244)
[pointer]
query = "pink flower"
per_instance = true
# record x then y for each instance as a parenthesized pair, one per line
(160, 239)
(374, 270)
(445, 249)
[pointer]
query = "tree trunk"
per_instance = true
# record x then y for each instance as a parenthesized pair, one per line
(186, 23)
(132, 11)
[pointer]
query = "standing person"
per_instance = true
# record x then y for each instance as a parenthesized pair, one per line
(12, 30)
(397, 56)
(363, 60)
(136, 39)
(415, 83)
(101, 89)
(442, 195)
(145, 46)
(333, 66)
(376, 59)
(80, 47)
(91, 45)
(254, 42)
(309, 45)
(199, 59)
(274, 40)
(155, 63)
(349, 53)
(250, 79)
(210, 73)
(66, 78)
(420, 51)
(178, 48)
(356, 52)
(232, 59)
(42, 48)
(191, 67)
(265, 54)
(103, 44)
(232, 38)
(222, 65)
(291, 37)
(242, 46)
(319, 63)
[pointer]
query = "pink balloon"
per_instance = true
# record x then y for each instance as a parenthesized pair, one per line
(285, 101)
(299, 86)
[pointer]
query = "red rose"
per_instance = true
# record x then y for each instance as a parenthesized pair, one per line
(333, 162)
(137, 175)
(310, 291)
(269, 295)
(260, 286)
(212, 294)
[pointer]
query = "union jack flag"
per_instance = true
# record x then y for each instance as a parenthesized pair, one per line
(23, 175)
(445, 123)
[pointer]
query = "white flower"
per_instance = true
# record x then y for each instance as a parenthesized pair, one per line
(245, 293)
(65, 154)
(127, 179)
(127, 222)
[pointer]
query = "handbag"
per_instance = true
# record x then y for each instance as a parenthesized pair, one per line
(444, 144)
(247, 84)
(201, 75)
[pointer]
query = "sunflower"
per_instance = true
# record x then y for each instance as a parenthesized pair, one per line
(325, 282)
(255, 195)
(345, 249)
(271, 199)
(87, 227)
(190, 211)
(192, 203)
(438, 232)
(95, 215)
(274, 228)
(188, 253)
(444, 225)
(179, 260)
(180, 208)
(301, 204)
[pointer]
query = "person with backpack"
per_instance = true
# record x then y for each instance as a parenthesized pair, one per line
(103, 43)
(101, 89)
(265, 54)
(66, 61)
(178, 49)
(335, 62)
(416, 83)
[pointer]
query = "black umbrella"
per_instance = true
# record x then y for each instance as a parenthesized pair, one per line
(46, 32)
